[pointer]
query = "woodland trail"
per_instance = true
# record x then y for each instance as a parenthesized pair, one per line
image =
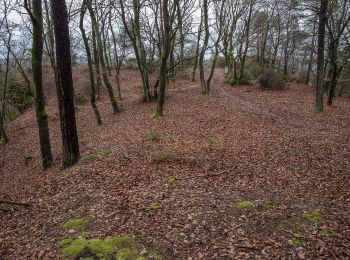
(234, 145)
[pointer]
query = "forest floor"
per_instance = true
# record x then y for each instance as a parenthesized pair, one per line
(176, 184)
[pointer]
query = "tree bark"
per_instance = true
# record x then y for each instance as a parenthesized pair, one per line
(320, 55)
(91, 70)
(71, 153)
(204, 88)
(37, 57)
(102, 60)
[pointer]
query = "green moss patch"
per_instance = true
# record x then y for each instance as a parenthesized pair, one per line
(155, 207)
(323, 232)
(99, 155)
(152, 136)
(155, 115)
(165, 156)
(269, 205)
(314, 216)
(106, 153)
(244, 205)
(212, 141)
(121, 248)
(75, 224)
(174, 181)
(280, 227)
(297, 242)
(89, 158)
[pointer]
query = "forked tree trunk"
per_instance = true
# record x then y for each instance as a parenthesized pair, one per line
(91, 70)
(102, 60)
(166, 49)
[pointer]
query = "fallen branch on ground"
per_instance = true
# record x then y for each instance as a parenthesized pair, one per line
(15, 203)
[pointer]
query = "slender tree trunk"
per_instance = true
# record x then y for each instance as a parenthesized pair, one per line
(181, 34)
(320, 55)
(135, 37)
(166, 49)
(204, 88)
(91, 70)
(333, 81)
(309, 68)
(71, 153)
(102, 60)
(97, 65)
(3, 137)
(245, 51)
(195, 63)
(37, 57)
(51, 42)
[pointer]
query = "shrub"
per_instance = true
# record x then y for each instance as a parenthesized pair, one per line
(247, 76)
(12, 113)
(79, 98)
(256, 71)
(270, 80)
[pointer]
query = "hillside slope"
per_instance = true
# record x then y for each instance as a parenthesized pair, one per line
(177, 183)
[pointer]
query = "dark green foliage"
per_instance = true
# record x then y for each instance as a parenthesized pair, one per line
(270, 80)
(247, 76)
(256, 70)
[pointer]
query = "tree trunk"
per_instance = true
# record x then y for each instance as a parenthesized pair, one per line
(102, 60)
(204, 88)
(251, 4)
(71, 153)
(3, 137)
(37, 57)
(91, 70)
(195, 63)
(309, 68)
(320, 55)
(166, 49)
(97, 65)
